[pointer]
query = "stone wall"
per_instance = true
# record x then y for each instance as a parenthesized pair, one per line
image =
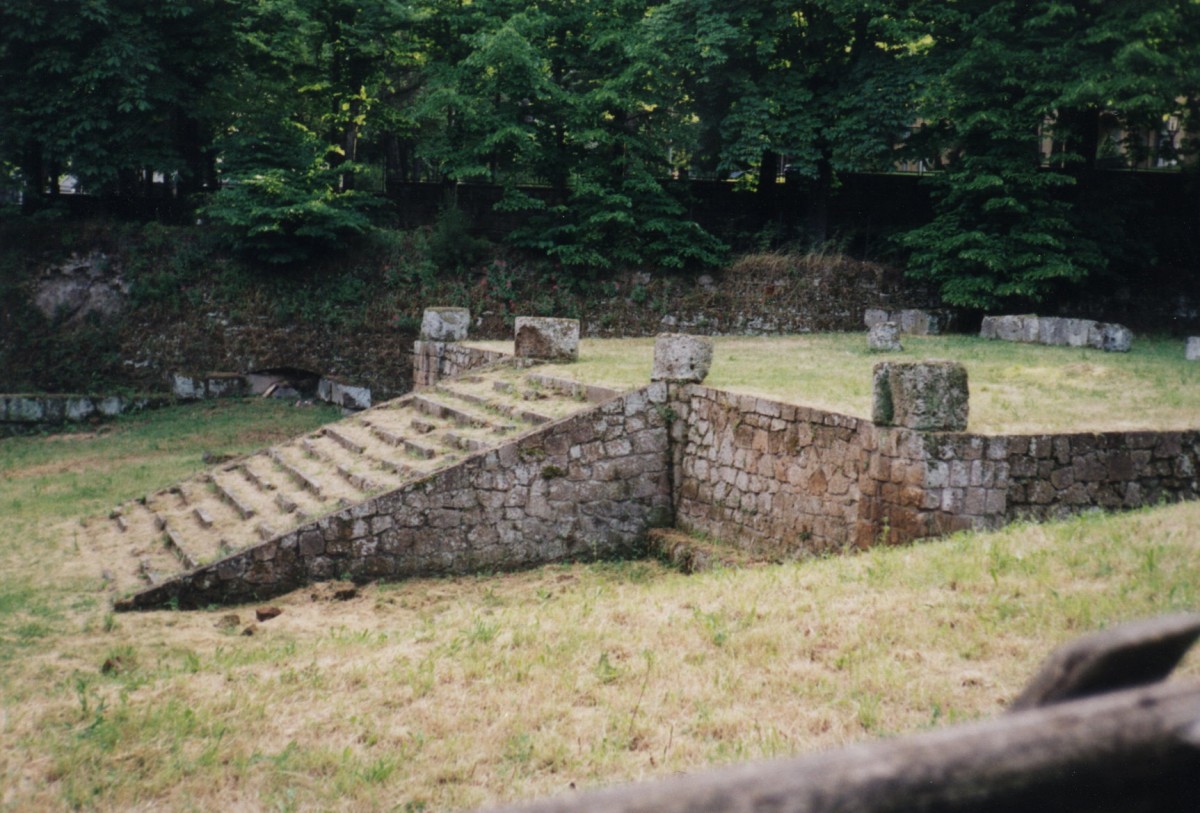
(773, 477)
(785, 480)
(587, 486)
(433, 361)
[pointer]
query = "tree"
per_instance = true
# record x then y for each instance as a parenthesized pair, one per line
(1007, 227)
(110, 91)
(828, 85)
(558, 94)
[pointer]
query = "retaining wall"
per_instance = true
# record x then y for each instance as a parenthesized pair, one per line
(786, 480)
(586, 486)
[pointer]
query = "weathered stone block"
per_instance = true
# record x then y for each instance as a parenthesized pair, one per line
(79, 409)
(186, 387)
(224, 385)
(681, 357)
(884, 337)
(875, 316)
(541, 337)
(1110, 337)
(346, 396)
(445, 324)
(930, 396)
(1192, 351)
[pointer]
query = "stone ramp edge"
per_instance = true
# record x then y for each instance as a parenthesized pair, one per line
(353, 541)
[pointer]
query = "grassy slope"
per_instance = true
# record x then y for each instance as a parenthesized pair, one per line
(445, 694)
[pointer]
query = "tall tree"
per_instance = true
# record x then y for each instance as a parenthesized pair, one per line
(558, 94)
(1015, 73)
(110, 91)
(826, 85)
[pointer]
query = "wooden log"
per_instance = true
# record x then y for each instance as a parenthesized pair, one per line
(1137, 749)
(1134, 654)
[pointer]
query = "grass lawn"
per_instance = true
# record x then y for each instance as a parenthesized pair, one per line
(452, 693)
(1015, 388)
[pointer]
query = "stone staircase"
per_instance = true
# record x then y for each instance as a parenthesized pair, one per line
(256, 498)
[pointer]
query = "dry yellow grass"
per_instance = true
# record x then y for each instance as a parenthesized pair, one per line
(1014, 388)
(450, 694)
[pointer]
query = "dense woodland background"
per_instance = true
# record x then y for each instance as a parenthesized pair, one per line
(290, 124)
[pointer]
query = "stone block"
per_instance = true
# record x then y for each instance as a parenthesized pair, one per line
(1192, 351)
(186, 387)
(681, 357)
(541, 337)
(332, 391)
(445, 324)
(884, 337)
(929, 396)
(110, 407)
(79, 409)
(1011, 328)
(875, 316)
(917, 322)
(1110, 337)
(225, 385)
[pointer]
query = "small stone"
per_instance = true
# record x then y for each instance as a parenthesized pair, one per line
(228, 621)
(267, 613)
(250, 630)
(541, 337)
(884, 337)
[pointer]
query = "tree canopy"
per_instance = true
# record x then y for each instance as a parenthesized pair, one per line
(292, 116)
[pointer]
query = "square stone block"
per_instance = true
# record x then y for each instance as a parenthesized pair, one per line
(445, 324)
(542, 337)
(681, 357)
(929, 396)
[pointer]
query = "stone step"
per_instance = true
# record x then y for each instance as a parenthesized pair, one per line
(513, 406)
(573, 389)
(148, 561)
(465, 442)
(175, 543)
(360, 471)
(231, 496)
(301, 477)
(341, 437)
(308, 463)
(438, 408)
(277, 491)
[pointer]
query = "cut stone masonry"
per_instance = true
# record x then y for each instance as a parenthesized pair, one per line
(502, 467)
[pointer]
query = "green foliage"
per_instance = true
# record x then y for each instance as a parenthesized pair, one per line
(452, 247)
(281, 199)
(1008, 230)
